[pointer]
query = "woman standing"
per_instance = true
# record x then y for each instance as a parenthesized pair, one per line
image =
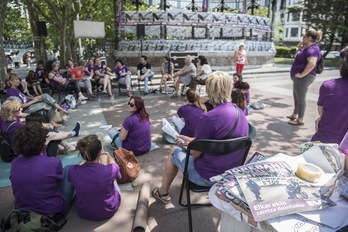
(135, 134)
(303, 72)
(332, 124)
(240, 58)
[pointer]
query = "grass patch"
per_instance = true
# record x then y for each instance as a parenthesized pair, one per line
(327, 62)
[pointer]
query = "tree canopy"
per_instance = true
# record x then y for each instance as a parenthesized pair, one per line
(329, 16)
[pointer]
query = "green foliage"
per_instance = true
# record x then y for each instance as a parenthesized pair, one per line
(259, 11)
(15, 24)
(330, 17)
(285, 52)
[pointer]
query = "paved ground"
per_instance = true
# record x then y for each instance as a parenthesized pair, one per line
(271, 85)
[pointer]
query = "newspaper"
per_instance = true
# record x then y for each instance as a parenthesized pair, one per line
(170, 130)
(272, 189)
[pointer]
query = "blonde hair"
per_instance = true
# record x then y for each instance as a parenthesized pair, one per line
(9, 77)
(8, 109)
(219, 87)
(314, 34)
(194, 98)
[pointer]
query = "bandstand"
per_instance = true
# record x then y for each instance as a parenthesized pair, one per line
(213, 34)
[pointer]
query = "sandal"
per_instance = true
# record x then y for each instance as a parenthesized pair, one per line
(172, 86)
(165, 198)
(174, 96)
(291, 117)
(68, 150)
(296, 122)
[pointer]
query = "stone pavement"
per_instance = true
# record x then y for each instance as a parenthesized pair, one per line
(271, 85)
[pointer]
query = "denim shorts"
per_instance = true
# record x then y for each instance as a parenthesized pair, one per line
(178, 159)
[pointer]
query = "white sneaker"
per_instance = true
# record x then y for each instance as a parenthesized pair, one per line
(83, 98)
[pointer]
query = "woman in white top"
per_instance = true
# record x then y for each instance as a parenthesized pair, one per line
(240, 58)
(203, 70)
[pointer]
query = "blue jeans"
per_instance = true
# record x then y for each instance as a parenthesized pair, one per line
(147, 78)
(118, 141)
(67, 189)
(178, 159)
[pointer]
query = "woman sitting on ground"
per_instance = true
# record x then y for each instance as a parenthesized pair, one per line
(39, 183)
(135, 134)
(237, 80)
(167, 73)
(191, 112)
(98, 195)
(56, 139)
(238, 98)
(123, 75)
(23, 83)
(82, 81)
(11, 115)
(215, 124)
(38, 103)
(34, 81)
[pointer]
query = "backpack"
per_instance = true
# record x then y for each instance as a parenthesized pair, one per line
(7, 155)
(320, 65)
(69, 101)
(24, 220)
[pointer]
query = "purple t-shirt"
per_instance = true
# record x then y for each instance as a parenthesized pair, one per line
(11, 92)
(191, 114)
(120, 71)
(36, 184)
(139, 134)
(96, 195)
(333, 98)
(301, 57)
(98, 68)
(216, 124)
(12, 130)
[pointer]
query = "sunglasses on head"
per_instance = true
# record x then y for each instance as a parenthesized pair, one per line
(130, 104)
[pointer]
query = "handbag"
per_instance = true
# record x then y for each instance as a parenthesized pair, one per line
(128, 163)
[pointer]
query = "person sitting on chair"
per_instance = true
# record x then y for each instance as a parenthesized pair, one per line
(123, 75)
(144, 73)
(81, 80)
(101, 77)
(167, 73)
(203, 70)
(184, 76)
(216, 124)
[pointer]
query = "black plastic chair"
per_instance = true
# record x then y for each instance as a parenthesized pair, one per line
(218, 148)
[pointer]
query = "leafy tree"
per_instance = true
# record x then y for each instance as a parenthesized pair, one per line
(15, 25)
(329, 16)
(3, 4)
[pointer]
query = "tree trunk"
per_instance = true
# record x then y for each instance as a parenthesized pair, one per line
(3, 60)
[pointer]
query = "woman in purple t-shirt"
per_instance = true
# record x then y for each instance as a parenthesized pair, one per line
(303, 72)
(215, 124)
(191, 112)
(98, 196)
(135, 134)
(332, 124)
(39, 182)
(11, 114)
(123, 75)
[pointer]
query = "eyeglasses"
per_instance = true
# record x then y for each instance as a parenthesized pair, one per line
(130, 104)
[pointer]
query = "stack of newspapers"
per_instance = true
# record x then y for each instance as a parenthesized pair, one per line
(270, 188)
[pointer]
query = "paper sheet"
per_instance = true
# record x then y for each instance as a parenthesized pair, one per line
(169, 129)
(179, 123)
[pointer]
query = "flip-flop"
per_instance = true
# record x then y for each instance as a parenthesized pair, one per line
(296, 122)
(174, 96)
(291, 117)
(158, 196)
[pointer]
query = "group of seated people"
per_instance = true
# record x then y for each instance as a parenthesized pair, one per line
(95, 180)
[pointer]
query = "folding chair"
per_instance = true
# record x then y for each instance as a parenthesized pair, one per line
(218, 148)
